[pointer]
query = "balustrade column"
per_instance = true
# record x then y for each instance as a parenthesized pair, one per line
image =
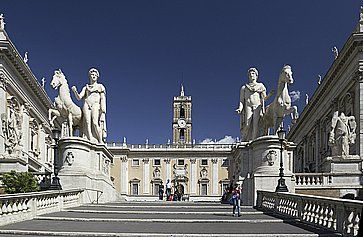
(193, 176)
(124, 175)
(215, 176)
(146, 176)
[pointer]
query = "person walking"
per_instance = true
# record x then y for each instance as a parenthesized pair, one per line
(168, 189)
(236, 198)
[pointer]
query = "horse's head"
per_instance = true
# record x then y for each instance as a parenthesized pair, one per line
(286, 75)
(58, 79)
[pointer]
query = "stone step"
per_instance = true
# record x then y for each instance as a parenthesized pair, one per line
(110, 228)
(99, 234)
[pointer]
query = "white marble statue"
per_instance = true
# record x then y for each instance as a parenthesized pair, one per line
(26, 59)
(251, 106)
(319, 79)
(64, 105)
(12, 126)
(335, 52)
(43, 82)
(342, 134)
(281, 105)
(306, 99)
(2, 22)
(94, 108)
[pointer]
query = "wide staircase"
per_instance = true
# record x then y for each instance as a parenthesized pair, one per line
(160, 219)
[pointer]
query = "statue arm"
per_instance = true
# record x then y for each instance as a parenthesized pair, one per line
(103, 100)
(241, 101)
(79, 96)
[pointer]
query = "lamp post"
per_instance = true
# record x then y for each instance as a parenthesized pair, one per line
(281, 185)
(55, 185)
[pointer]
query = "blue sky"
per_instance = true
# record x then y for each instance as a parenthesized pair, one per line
(142, 49)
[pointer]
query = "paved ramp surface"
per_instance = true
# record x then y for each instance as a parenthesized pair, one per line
(160, 219)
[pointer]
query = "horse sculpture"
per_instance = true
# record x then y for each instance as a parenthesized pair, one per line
(281, 106)
(65, 107)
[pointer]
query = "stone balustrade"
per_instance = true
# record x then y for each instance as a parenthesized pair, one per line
(313, 179)
(25, 206)
(169, 146)
(334, 214)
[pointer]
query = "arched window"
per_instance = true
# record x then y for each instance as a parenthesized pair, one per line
(182, 112)
(182, 134)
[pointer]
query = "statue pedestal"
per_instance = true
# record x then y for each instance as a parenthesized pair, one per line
(86, 165)
(342, 164)
(259, 162)
(345, 173)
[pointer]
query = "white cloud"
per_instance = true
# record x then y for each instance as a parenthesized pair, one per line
(295, 95)
(225, 140)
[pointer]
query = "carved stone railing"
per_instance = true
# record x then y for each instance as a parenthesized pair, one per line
(313, 179)
(25, 206)
(339, 215)
(170, 146)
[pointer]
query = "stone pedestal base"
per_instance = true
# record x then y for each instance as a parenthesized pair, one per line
(259, 163)
(86, 165)
(340, 164)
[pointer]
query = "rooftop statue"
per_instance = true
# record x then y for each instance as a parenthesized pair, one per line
(251, 105)
(94, 108)
(281, 105)
(64, 106)
(335, 52)
(2, 22)
(342, 134)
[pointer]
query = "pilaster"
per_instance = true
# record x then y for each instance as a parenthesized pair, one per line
(124, 175)
(215, 176)
(3, 106)
(168, 169)
(193, 176)
(146, 176)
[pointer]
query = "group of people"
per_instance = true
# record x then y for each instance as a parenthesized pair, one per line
(176, 196)
(232, 196)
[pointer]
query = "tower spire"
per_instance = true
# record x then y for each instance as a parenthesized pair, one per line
(182, 90)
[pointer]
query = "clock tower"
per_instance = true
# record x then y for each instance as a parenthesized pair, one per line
(182, 118)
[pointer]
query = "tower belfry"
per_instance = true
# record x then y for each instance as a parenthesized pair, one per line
(182, 118)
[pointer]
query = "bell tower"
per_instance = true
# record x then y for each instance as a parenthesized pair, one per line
(182, 118)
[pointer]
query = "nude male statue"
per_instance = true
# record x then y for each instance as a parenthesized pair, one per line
(251, 106)
(94, 108)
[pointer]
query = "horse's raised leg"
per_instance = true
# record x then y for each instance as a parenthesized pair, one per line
(277, 125)
(51, 118)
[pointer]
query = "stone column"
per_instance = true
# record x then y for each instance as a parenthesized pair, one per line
(193, 176)
(3, 106)
(215, 176)
(168, 169)
(317, 145)
(124, 175)
(146, 176)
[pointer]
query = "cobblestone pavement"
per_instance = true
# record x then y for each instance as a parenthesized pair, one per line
(159, 219)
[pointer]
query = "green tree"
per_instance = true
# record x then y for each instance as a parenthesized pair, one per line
(19, 182)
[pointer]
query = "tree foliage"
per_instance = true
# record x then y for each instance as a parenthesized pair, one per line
(19, 182)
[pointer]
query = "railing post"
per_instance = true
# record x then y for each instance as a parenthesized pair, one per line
(340, 217)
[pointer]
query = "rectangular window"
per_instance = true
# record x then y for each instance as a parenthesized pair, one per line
(180, 162)
(157, 162)
(203, 189)
(135, 162)
(135, 189)
(204, 162)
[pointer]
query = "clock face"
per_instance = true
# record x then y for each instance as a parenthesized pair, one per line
(182, 123)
